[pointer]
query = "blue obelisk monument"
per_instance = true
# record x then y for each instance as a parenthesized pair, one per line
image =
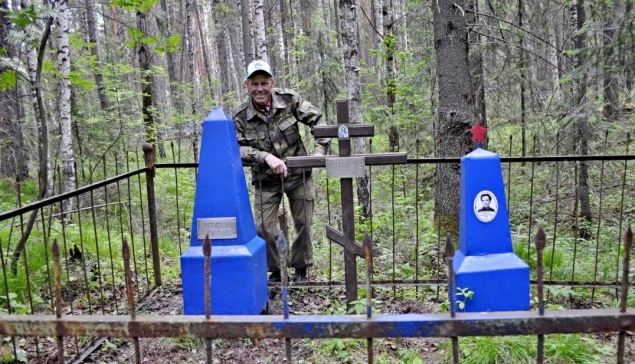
(485, 262)
(222, 211)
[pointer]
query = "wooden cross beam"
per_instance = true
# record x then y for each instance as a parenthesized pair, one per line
(344, 131)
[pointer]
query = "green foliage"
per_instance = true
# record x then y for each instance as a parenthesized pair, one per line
(83, 83)
(142, 6)
(169, 45)
(8, 79)
(342, 350)
(409, 356)
(7, 355)
(569, 349)
(360, 306)
(23, 17)
(462, 295)
(137, 37)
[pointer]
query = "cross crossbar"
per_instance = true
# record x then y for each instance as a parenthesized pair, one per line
(344, 241)
(370, 160)
(354, 130)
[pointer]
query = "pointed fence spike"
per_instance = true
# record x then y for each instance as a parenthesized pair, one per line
(449, 247)
(541, 239)
(628, 239)
(55, 249)
(125, 250)
(207, 247)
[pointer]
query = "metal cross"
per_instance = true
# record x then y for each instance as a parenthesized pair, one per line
(345, 161)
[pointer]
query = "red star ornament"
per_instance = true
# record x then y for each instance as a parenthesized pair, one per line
(478, 133)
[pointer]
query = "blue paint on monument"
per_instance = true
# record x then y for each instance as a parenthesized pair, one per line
(485, 262)
(239, 265)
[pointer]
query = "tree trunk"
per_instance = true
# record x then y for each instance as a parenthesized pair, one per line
(34, 64)
(476, 66)
(626, 56)
(222, 47)
(165, 27)
(248, 35)
(284, 23)
(554, 63)
(306, 11)
(378, 16)
(64, 103)
(338, 28)
(13, 158)
(146, 85)
(191, 45)
(261, 39)
(390, 47)
(353, 89)
(610, 82)
(95, 51)
(523, 81)
(455, 107)
(582, 123)
(44, 165)
(278, 50)
(205, 49)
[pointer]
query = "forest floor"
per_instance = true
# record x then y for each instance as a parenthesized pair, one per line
(167, 300)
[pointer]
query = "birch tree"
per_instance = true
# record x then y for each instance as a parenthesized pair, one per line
(349, 32)
(64, 102)
(248, 35)
(261, 39)
(203, 41)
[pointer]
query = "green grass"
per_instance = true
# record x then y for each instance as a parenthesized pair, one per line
(562, 349)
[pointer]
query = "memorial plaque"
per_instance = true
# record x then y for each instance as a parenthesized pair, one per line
(345, 167)
(217, 228)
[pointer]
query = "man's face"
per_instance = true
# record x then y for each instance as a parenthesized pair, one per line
(485, 200)
(259, 87)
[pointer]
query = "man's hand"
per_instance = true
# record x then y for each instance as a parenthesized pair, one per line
(318, 154)
(276, 164)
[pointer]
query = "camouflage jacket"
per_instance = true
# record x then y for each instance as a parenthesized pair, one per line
(277, 133)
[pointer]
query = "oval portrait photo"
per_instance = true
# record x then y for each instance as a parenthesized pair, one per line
(485, 206)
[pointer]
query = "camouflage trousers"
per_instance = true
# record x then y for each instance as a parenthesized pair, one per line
(266, 206)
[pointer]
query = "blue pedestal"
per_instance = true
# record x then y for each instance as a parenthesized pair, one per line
(239, 264)
(485, 262)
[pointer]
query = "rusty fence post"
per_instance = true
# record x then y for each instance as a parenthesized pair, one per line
(152, 212)
(449, 261)
(541, 242)
(628, 246)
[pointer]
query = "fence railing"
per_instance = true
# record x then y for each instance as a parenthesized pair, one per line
(452, 325)
(151, 206)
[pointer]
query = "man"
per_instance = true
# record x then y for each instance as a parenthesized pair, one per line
(268, 132)
(485, 200)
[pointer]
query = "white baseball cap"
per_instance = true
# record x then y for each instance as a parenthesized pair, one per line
(259, 66)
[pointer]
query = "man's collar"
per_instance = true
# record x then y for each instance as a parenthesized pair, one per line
(275, 100)
(263, 109)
